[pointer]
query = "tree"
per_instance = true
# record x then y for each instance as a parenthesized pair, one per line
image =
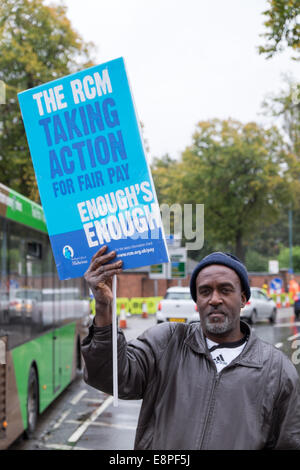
(256, 262)
(165, 175)
(241, 174)
(164, 172)
(283, 28)
(285, 108)
(37, 44)
(284, 258)
(285, 105)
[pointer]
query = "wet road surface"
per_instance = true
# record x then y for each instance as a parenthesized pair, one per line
(284, 334)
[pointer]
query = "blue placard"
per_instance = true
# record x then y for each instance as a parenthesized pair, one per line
(93, 177)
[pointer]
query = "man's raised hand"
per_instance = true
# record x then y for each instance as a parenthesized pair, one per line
(99, 278)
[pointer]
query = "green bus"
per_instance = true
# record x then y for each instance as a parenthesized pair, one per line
(42, 319)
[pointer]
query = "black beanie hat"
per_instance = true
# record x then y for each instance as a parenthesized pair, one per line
(227, 259)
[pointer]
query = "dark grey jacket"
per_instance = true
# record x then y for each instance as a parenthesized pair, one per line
(253, 403)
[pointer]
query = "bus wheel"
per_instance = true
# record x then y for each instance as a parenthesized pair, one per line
(32, 404)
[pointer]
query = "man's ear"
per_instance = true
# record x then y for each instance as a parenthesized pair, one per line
(243, 299)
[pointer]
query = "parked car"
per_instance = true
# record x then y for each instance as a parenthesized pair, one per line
(177, 306)
(66, 300)
(297, 307)
(259, 307)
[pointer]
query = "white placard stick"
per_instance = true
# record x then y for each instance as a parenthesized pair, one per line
(114, 341)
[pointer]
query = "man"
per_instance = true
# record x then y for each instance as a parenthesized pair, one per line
(208, 385)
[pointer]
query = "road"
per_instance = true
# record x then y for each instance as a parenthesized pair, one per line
(83, 418)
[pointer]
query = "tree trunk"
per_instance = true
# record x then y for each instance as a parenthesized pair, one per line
(240, 249)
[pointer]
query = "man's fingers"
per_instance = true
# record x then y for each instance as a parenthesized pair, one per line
(102, 280)
(102, 269)
(100, 273)
(109, 274)
(106, 267)
(106, 258)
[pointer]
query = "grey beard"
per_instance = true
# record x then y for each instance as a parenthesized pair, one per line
(218, 328)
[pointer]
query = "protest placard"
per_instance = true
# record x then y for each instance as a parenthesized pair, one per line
(93, 176)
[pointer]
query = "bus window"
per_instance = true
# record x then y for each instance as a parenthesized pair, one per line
(3, 274)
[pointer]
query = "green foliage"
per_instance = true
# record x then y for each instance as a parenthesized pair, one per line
(165, 176)
(239, 172)
(283, 28)
(285, 106)
(256, 262)
(284, 258)
(37, 44)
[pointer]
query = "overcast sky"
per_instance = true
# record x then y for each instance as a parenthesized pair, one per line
(187, 60)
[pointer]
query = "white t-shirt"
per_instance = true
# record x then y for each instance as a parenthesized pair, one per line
(224, 353)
